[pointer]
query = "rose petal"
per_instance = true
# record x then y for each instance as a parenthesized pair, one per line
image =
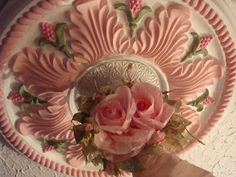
(122, 145)
(121, 101)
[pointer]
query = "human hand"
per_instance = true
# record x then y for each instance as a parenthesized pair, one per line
(168, 165)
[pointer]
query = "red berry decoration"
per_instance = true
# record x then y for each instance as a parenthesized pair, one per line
(48, 148)
(15, 97)
(135, 6)
(48, 30)
(204, 41)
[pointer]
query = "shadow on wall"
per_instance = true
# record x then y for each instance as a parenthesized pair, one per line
(3, 142)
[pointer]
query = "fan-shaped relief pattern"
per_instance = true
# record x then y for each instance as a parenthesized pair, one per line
(52, 122)
(191, 79)
(74, 154)
(45, 76)
(95, 31)
(163, 36)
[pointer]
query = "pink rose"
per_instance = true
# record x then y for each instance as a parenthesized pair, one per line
(129, 119)
(151, 112)
(116, 137)
(121, 147)
(115, 112)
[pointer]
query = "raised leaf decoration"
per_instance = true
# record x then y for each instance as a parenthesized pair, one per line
(193, 51)
(142, 13)
(44, 41)
(60, 42)
(60, 33)
(58, 144)
(197, 103)
(133, 21)
(122, 7)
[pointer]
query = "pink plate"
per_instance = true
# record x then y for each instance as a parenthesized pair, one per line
(101, 41)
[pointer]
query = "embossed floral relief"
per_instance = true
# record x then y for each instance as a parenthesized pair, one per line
(96, 33)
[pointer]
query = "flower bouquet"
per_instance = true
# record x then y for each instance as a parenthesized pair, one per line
(117, 127)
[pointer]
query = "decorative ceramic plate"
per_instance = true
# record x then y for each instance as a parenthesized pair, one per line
(55, 50)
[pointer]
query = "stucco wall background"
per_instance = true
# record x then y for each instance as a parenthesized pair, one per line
(217, 156)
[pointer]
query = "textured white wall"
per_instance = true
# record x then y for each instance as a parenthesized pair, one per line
(218, 156)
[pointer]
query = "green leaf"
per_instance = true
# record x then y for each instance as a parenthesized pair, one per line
(44, 41)
(30, 98)
(61, 148)
(133, 26)
(60, 33)
(98, 160)
(66, 51)
(58, 144)
(24, 106)
(40, 102)
(203, 52)
(199, 99)
(194, 46)
(80, 117)
(53, 142)
(79, 133)
(121, 7)
(87, 141)
(24, 92)
(196, 41)
(177, 123)
(60, 43)
(132, 165)
(199, 107)
(142, 13)
(85, 104)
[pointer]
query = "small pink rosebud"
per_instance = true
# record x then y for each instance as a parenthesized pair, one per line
(88, 127)
(15, 97)
(47, 30)
(48, 148)
(135, 6)
(204, 41)
(208, 100)
(109, 168)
